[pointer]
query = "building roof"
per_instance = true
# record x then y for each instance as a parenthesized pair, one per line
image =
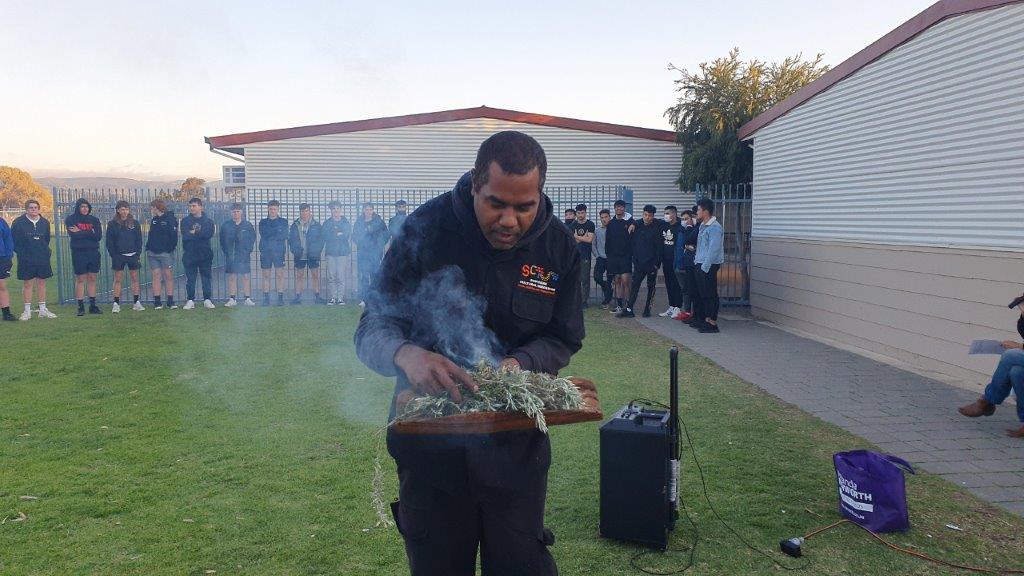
(237, 140)
(909, 29)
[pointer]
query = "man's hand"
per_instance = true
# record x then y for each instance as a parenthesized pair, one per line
(73, 229)
(1010, 344)
(631, 228)
(509, 363)
(431, 373)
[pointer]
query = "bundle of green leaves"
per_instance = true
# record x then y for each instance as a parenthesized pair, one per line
(502, 389)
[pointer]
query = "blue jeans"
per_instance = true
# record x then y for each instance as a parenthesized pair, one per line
(1008, 375)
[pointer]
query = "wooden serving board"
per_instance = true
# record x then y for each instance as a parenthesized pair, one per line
(490, 422)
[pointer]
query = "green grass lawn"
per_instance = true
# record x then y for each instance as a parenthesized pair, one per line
(242, 441)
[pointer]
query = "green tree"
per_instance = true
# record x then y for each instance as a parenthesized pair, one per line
(719, 98)
(17, 186)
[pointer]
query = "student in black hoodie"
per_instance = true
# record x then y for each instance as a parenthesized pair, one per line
(273, 237)
(306, 240)
(647, 248)
(197, 256)
(496, 236)
(31, 234)
(237, 237)
(84, 232)
(124, 244)
(160, 245)
(370, 237)
(671, 233)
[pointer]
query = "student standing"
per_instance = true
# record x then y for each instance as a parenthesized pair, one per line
(273, 236)
(619, 248)
(583, 232)
(306, 241)
(647, 250)
(6, 261)
(197, 256)
(686, 247)
(709, 257)
(396, 221)
(160, 245)
(570, 218)
(370, 236)
(31, 235)
(124, 244)
(337, 233)
(601, 276)
(671, 233)
(237, 237)
(84, 234)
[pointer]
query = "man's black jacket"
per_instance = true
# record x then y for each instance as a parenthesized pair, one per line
(647, 243)
(531, 291)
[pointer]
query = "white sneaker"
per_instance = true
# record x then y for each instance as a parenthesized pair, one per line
(25, 316)
(208, 304)
(362, 304)
(616, 310)
(190, 305)
(332, 302)
(341, 302)
(172, 306)
(249, 302)
(45, 313)
(231, 303)
(116, 308)
(158, 307)
(667, 312)
(138, 307)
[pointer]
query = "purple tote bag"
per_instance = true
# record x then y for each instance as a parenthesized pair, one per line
(872, 489)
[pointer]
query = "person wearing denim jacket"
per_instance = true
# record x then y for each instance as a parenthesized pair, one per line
(710, 256)
(1008, 375)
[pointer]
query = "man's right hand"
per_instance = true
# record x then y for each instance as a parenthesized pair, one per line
(431, 373)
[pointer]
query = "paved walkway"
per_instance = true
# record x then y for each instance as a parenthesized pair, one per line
(904, 414)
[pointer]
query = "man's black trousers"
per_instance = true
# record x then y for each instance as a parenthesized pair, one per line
(367, 268)
(603, 279)
(200, 268)
(675, 294)
(459, 493)
(707, 286)
(639, 273)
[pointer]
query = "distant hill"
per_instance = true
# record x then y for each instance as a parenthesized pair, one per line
(95, 182)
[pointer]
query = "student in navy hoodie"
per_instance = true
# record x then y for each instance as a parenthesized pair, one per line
(273, 237)
(306, 240)
(160, 245)
(6, 259)
(370, 236)
(237, 237)
(124, 244)
(197, 255)
(31, 233)
(84, 232)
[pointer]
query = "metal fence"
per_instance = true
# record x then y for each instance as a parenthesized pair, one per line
(254, 203)
(733, 204)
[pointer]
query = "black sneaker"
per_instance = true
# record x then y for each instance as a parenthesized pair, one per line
(266, 300)
(626, 313)
(280, 300)
(8, 317)
(81, 312)
(94, 309)
(709, 329)
(319, 300)
(297, 300)
(647, 313)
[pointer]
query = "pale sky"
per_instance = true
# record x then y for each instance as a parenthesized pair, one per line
(131, 88)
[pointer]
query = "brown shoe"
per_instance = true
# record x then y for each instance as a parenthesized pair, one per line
(1016, 432)
(981, 407)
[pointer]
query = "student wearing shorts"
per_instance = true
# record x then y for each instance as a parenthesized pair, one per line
(306, 241)
(6, 260)
(124, 244)
(160, 245)
(84, 234)
(273, 236)
(31, 235)
(237, 237)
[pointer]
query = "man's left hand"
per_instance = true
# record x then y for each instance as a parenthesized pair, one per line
(510, 363)
(1010, 344)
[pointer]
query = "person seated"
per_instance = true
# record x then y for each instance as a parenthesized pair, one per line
(1009, 375)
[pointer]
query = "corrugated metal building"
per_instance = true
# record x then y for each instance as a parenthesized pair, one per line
(888, 209)
(432, 150)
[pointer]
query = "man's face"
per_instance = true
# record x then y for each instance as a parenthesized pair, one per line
(367, 212)
(195, 209)
(236, 214)
(401, 209)
(507, 205)
(605, 219)
(83, 209)
(648, 217)
(305, 215)
(581, 215)
(154, 211)
(336, 212)
(702, 214)
(620, 210)
(670, 216)
(123, 212)
(32, 210)
(688, 219)
(273, 211)
(569, 215)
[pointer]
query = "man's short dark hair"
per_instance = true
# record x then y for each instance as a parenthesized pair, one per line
(273, 203)
(334, 204)
(31, 202)
(650, 208)
(694, 209)
(368, 205)
(570, 211)
(582, 207)
(605, 211)
(707, 204)
(620, 203)
(515, 152)
(303, 206)
(671, 207)
(688, 212)
(195, 200)
(400, 203)
(236, 206)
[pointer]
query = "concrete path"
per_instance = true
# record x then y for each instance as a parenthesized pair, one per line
(905, 414)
